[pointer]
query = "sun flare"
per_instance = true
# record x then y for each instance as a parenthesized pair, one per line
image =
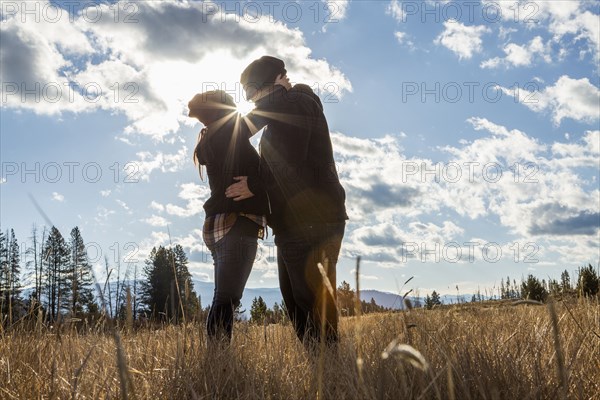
(244, 107)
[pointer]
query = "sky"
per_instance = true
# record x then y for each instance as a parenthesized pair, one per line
(466, 134)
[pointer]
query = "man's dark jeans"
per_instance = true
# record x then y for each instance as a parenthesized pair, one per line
(301, 283)
(233, 258)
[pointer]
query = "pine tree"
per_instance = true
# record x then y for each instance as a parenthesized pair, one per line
(588, 283)
(15, 274)
(4, 273)
(433, 300)
(82, 278)
(34, 262)
(258, 310)
(371, 307)
(533, 289)
(428, 303)
(565, 282)
(10, 284)
(156, 288)
(187, 296)
(159, 290)
(56, 273)
(510, 293)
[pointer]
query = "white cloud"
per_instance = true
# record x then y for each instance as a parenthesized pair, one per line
(402, 38)
(568, 22)
(156, 220)
(576, 99)
(546, 197)
(148, 162)
(537, 192)
(337, 9)
(572, 18)
(102, 215)
(373, 185)
(390, 245)
(194, 195)
(520, 56)
(31, 62)
(395, 10)
(155, 61)
(194, 268)
(105, 193)
(193, 242)
(160, 238)
(363, 276)
(123, 205)
(463, 40)
(504, 33)
(58, 197)
(156, 206)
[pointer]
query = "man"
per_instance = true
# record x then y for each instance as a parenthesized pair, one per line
(306, 198)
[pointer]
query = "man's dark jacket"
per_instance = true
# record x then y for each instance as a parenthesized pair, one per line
(296, 160)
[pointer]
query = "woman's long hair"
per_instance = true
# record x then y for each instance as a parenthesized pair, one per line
(197, 162)
(213, 108)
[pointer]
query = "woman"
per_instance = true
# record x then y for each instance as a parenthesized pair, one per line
(232, 225)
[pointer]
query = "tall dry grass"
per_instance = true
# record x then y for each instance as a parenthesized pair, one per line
(490, 351)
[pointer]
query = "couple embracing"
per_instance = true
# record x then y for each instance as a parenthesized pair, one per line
(292, 186)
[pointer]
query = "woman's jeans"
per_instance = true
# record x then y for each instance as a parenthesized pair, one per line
(233, 257)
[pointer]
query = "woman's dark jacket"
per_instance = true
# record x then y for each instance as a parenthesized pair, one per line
(226, 151)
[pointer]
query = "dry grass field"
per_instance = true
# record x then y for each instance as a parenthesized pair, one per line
(484, 351)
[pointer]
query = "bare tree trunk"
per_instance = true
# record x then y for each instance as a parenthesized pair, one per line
(118, 293)
(35, 263)
(108, 284)
(173, 301)
(74, 283)
(10, 287)
(39, 283)
(135, 293)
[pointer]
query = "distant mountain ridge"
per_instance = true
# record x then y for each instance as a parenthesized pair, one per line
(273, 295)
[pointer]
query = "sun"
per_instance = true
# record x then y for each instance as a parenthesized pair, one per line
(244, 107)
